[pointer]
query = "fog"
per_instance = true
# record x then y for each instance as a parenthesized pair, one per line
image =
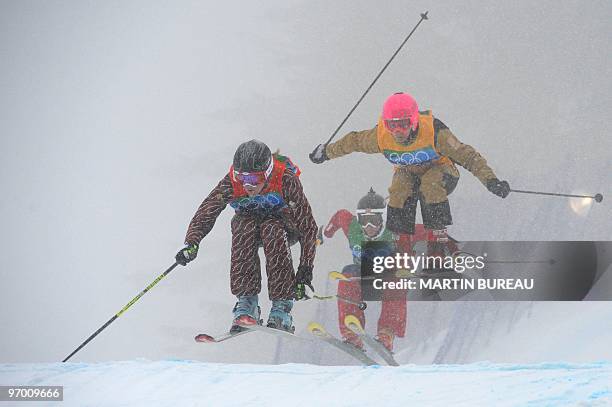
(118, 118)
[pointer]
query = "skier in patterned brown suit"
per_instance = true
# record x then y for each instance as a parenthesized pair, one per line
(271, 212)
(423, 152)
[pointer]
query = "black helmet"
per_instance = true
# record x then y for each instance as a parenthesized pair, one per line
(372, 201)
(371, 210)
(252, 156)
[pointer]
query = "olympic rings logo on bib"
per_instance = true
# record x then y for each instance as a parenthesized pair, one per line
(370, 253)
(418, 157)
(265, 202)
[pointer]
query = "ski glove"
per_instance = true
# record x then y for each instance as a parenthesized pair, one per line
(187, 254)
(303, 278)
(318, 155)
(499, 188)
(320, 238)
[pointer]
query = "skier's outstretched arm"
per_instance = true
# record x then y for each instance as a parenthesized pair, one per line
(204, 219)
(364, 141)
(463, 154)
(470, 159)
(341, 219)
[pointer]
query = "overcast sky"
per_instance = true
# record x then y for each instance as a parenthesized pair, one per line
(117, 119)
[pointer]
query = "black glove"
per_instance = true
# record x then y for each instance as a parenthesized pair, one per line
(303, 278)
(187, 254)
(499, 188)
(318, 155)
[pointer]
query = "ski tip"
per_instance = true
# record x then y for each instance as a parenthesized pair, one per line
(245, 320)
(353, 323)
(424, 15)
(316, 329)
(204, 338)
(334, 275)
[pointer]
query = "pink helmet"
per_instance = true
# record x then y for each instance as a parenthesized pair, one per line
(401, 106)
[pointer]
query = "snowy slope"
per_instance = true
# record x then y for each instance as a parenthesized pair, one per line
(190, 383)
(469, 332)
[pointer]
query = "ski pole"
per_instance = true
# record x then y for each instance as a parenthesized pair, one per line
(128, 305)
(597, 197)
(423, 17)
(549, 261)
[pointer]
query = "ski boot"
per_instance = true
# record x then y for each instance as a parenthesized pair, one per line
(280, 316)
(245, 309)
(385, 337)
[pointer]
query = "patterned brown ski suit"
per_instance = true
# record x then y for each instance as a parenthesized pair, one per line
(274, 231)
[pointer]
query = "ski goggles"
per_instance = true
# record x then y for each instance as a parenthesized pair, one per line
(397, 124)
(254, 178)
(250, 178)
(374, 218)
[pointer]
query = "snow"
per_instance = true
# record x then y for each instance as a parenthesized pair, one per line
(191, 383)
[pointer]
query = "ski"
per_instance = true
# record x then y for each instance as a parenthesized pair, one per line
(336, 275)
(252, 325)
(205, 338)
(319, 332)
(352, 323)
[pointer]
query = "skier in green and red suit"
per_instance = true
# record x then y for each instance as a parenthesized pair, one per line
(368, 224)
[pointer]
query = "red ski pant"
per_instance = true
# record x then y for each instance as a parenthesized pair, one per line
(393, 314)
(248, 234)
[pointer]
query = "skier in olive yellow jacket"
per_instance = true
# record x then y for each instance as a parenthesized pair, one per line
(424, 153)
